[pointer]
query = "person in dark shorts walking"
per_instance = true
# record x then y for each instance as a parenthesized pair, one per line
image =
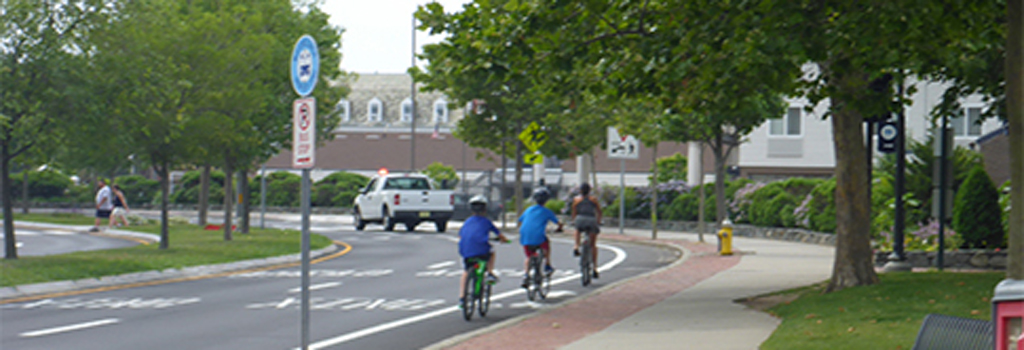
(586, 214)
(104, 204)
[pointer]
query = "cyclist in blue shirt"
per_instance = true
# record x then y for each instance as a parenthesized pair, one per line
(533, 230)
(473, 241)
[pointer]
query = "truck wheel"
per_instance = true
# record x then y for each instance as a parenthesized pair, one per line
(441, 225)
(358, 218)
(389, 223)
(411, 226)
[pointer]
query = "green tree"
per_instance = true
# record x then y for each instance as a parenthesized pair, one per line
(441, 174)
(976, 212)
(670, 168)
(40, 57)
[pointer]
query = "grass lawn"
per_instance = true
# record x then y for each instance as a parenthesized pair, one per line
(883, 316)
(190, 245)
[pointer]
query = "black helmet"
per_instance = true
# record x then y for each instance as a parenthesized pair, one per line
(541, 195)
(478, 204)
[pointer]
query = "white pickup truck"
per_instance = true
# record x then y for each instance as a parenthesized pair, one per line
(402, 198)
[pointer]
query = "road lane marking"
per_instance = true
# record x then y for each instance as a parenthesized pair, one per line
(440, 265)
(316, 287)
(347, 248)
(620, 256)
(69, 328)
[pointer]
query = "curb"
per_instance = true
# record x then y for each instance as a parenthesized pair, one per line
(40, 290)
(455, 340)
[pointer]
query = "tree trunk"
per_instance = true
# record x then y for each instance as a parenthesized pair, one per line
(204, 194)
(654, 193)
(229, 195)
(1015, 116)
(24, 191)
(243, 184)
(163, 170)
(10, 245)
(853, 259)
(720, 207)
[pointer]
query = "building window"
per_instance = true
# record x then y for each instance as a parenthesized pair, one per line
(788, 125)
(967, 124)
(440, 111)
(375, 110)
(407, 111)
(343, 109)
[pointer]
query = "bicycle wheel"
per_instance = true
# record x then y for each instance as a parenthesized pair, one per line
(532, 275)
(485, 299)
(468, 297)
(539, 287)
(585, 264)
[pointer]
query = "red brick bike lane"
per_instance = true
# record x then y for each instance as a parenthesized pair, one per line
(568, 323)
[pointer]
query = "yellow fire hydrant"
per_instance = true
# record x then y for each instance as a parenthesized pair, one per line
(725, 238)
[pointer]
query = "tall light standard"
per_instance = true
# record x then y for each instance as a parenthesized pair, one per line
(412, 88)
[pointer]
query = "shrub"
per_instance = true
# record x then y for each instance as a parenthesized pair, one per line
(438, 173)
(283, 189)
(976, 212)
(45, 185)
(817, 211)
(137, 189)
(188, 188)
(336, 190)
(556, 205)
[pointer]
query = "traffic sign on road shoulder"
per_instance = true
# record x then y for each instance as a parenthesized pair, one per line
(622, 146)
(304, 133)
(533, 137)
(305, 66)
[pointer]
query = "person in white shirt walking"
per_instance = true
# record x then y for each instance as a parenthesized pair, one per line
(104, 204)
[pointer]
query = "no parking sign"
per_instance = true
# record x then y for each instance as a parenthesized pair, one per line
(304, 133)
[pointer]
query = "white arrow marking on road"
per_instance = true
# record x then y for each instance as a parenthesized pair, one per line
(620, 256)
(440, 265)
(69, 328)
(561, 293)
(316, 287)
(527, 305)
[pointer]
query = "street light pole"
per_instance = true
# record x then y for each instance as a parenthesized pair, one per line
(412, 88)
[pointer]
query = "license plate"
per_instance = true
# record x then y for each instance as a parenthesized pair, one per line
(424, 214)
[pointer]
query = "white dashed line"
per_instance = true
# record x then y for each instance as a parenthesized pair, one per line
(69, 328)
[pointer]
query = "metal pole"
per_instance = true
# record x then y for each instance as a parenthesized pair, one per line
(263, 195)
(465, 180)
(305, 258)
(622, 194)
(501, 192)
(901, 165)
(412, 123)
(943, 165)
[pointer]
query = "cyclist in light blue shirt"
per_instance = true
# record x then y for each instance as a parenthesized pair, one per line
(533, 230)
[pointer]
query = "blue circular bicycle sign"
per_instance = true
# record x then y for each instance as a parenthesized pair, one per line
(305, 65)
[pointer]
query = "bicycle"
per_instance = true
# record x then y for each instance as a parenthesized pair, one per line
(477, 296)
(538, 282)
(586, 261)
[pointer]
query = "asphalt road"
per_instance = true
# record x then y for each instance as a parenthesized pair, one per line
(390, 291)
(37, 241)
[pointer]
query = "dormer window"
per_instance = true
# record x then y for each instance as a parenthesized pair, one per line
(343, 109)
(440, 111)
(407, 110)
(375, 110)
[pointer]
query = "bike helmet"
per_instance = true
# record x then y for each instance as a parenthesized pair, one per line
(478, 204)
(541, 195)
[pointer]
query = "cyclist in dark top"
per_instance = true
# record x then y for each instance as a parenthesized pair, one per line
(586, 214)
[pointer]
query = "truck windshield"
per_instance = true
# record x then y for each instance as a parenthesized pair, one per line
(407, 183)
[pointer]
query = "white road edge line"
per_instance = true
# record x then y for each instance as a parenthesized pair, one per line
(316, 287)
(69, 328)
(620, 256)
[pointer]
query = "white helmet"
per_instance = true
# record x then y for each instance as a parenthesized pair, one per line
(478, 204)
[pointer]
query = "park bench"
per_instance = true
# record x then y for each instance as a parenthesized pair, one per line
(940, 332)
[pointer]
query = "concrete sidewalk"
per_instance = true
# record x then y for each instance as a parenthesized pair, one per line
(689, 305)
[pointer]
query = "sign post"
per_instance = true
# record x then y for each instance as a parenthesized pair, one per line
(622, 147)
(305, 70)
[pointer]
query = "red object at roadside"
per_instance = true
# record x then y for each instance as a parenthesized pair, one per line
(213, 227)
